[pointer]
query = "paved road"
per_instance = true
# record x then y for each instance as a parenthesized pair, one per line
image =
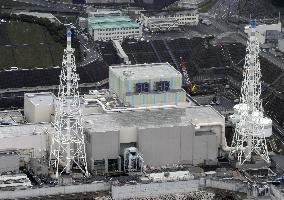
(49, 88)
(224, 9)
(88, 46)
(52, 4)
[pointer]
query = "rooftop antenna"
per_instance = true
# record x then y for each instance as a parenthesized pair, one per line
(68, 145)
(251, 127)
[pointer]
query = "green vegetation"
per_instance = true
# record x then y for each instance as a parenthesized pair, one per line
(26, 30)
(209, 4)
(11, 3)
(29, 42)
(29, 46)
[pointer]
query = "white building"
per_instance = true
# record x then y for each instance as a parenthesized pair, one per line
(169, 20)
(266, 32)
(147, 84)
(39, 107)
(113, 27)
(92, 12)
(189, 4)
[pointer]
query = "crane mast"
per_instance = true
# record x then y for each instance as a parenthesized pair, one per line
(191, 87)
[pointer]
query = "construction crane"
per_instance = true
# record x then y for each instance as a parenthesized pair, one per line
(190, 86)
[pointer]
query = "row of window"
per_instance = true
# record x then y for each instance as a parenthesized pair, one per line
(188, 18)
(117, 29)
(117, 33)
(115, 37)
(174, 16)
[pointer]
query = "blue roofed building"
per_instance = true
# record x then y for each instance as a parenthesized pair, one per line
(113, 27)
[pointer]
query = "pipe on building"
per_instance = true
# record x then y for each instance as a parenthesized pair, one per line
(128, 109)
(224, 145)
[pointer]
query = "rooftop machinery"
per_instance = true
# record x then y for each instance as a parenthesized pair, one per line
(252, 127)
(68, 146)
(191, 87)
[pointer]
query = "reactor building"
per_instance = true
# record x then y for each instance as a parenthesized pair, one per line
(145, 108)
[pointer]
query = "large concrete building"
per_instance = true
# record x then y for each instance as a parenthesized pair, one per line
(113, 27)
(189, 4)
(190, 135)
(93, 12)
(160, 122)
(169, 20)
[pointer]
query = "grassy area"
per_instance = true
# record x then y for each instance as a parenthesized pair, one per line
(206, 7)
(6, 57)
(30, 45)
(21, 33)
(11, 3)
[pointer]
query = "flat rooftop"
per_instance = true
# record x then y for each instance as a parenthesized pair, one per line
(153, 118)
(11, 117)
(46, 98)
(170, 13)
(145, 71)
(24, 130)
(103, 22)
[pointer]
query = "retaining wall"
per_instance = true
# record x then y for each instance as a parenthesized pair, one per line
(154, 189)
(94, 187)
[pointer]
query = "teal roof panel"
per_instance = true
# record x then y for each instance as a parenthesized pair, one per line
(103, 22)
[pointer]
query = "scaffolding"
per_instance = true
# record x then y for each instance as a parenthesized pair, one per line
(68, 145)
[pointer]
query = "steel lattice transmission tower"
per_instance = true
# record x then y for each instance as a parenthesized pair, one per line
(251, 127)
(68, 146)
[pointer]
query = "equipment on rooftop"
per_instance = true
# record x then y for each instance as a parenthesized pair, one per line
(190, 86)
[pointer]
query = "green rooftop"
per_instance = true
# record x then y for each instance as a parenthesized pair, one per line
(103, 22)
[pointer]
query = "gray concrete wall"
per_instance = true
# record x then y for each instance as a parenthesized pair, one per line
(205, 148)
(186, 144)
(9, 163)
(95, 187)
(160, 146)
(225, 185)
(157, 189)
(168, 145)
(154, 189)
(103, 145)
